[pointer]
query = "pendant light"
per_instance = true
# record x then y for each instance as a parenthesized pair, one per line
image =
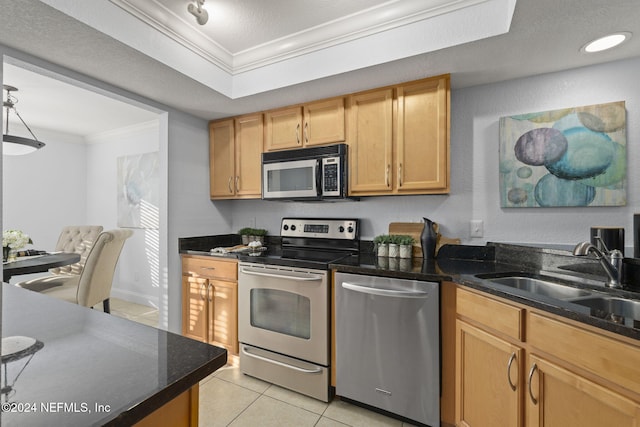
(13, 145)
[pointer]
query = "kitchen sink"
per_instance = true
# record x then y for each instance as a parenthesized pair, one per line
(540, 287)
(618, 310)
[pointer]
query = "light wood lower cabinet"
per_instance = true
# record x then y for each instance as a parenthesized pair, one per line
(182, 411)
(490, 385)
(518, 366)
(210, 301)
(559, 397)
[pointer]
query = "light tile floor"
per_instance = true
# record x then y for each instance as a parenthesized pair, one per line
(230, 398)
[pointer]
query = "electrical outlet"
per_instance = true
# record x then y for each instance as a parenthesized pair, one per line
(476, 228)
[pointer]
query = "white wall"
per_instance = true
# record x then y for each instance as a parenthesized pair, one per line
(38, 188)
(137, 277)
(474, 167)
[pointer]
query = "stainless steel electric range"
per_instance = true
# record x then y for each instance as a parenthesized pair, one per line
(284, 304)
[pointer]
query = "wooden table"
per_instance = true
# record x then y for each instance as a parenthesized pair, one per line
(37, 264)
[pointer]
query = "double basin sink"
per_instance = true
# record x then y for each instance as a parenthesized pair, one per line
(597, 303)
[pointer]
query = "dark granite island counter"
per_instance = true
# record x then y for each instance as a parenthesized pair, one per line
(88, 368)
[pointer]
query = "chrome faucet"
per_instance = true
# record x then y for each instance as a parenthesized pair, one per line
(611, 261)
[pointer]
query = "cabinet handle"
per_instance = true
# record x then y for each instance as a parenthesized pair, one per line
(400, 175)
(534, 368)
(229, 185)
(511, 359)
(298, 134)
(386, 175)
(237, 184)
(209, 292)
(306, 132)
(202, 288)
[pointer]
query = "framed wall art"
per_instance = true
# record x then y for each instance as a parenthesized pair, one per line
(570, 157)
(138, 192)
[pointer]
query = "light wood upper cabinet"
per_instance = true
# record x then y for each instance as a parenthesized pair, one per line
(316, 123)
(235, 155)
(248, 156)
(221, 159)
(370, 142)
(399, 139)
(324, 122)
(423, 137)
(283, 129)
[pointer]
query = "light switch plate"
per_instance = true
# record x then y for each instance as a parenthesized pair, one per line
(476, 228)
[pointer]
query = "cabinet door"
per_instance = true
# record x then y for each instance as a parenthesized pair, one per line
(370, 142)
(423, 137)
(559, 397)
(283, 129)
(248, 156)
(489, 379)
(324, 122)
(195, 316)
(223, 300)
(221, 159)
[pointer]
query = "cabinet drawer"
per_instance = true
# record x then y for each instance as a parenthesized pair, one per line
(606, 357)
(491, 313)
(210, 268)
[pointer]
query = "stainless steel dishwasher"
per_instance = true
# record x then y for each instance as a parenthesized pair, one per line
(388, 345)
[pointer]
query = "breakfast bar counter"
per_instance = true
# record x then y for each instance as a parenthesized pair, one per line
(69, 365)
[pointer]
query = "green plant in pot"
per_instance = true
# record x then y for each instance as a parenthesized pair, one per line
(382, 244)
(405, 243)
(259, 234)
(245, 233)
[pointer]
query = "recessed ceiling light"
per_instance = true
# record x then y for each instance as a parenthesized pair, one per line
(606, 42)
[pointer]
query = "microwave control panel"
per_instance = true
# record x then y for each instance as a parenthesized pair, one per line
(331, 176)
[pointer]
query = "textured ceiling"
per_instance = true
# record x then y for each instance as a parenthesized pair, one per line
(545, 36)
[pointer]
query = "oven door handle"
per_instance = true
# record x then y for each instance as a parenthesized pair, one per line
(282, 276)
(246, 352)
(385, 292)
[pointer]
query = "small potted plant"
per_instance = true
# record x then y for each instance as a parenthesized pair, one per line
(382, 244)
(406, 245)
(245, 233)
(258, 234)
(394, 246)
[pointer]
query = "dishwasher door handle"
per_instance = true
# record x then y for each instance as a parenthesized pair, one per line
(384, 292)
(282, 276)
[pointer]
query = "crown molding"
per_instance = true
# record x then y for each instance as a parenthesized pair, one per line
(385, 17)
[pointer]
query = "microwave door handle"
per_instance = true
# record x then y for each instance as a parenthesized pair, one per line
(319, 177)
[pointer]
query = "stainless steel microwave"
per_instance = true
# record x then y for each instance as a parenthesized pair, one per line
(306, 174)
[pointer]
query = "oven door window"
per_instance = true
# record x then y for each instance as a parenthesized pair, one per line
(280, 311)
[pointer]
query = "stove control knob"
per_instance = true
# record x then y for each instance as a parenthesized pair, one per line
(341, 229)
(285, 227)
(293, 228)
(350, 229)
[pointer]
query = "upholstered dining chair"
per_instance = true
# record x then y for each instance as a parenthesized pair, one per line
(73, 238)
(94, 282)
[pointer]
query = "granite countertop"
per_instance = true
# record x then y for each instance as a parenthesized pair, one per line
(93, 368)
(461, 264)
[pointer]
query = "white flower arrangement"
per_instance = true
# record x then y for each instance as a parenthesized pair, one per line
(15, 239)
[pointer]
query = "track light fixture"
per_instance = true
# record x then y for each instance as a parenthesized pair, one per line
(16, 145)
(201, 14)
